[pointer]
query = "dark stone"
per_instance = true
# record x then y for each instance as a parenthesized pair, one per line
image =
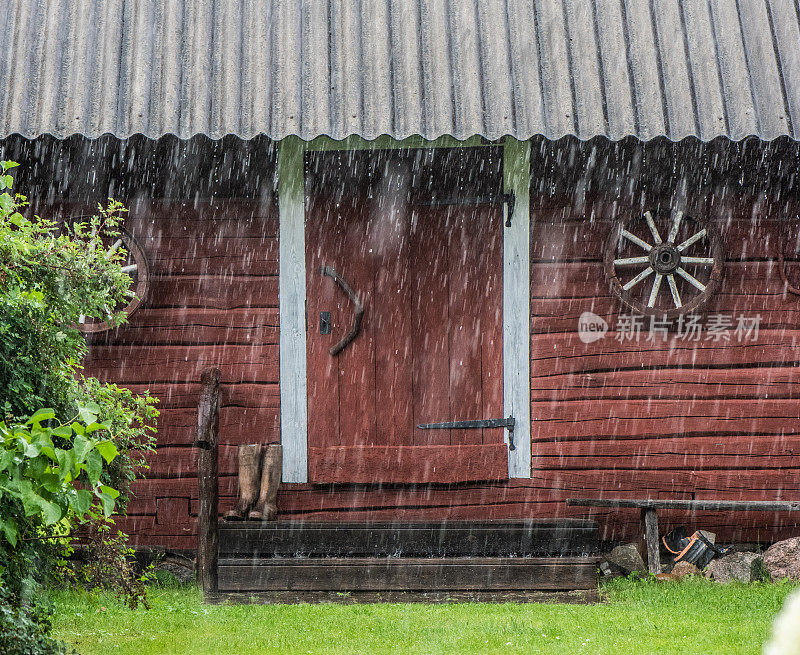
(182, 569)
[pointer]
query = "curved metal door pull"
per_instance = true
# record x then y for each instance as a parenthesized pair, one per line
(330, 272)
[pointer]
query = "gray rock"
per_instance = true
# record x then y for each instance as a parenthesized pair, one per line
(711, 536)
(627, 558)
(744, 567)
(782, 559)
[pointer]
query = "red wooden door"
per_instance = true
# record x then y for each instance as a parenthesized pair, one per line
(429, 348)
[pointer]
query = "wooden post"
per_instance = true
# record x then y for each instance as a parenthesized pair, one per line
(650, 525)
(207, 441)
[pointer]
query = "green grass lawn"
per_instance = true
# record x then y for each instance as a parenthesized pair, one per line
(693, 616)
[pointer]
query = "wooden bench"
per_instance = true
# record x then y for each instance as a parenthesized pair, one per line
(649, 509)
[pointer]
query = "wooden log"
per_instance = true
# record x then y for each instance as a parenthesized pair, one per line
(638, 419)
(693, 505)
(554, 538)
(238, 256)
(669, 384)
(180, 395)
(147, 365)
(224, 292)
(558, 354)
(175, 425)
(650, 532)
(723, 453)
(399, 573)
(208, 489)
(194, 325)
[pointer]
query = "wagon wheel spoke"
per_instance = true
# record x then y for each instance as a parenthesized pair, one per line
(676, 225)
(697, 260)
(628, 261)
(638, 278)
(673, 289)
(691, 240)
(652, 225)
(639, 242)
(113, 248)
(654, 290)
(691, 279)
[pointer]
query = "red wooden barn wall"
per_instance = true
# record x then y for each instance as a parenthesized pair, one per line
(711, 419)
(213, 302)
(609, 420)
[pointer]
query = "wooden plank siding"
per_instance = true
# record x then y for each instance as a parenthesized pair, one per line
(708, 419)
(675, 420)
(213, 301)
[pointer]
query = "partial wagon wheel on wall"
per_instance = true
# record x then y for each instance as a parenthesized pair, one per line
(791, 282)
(135, 265)
(664, 263)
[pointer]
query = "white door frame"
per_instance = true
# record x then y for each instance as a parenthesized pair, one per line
(292, 292)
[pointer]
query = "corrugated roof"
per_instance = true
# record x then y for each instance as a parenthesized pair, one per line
(401, 67)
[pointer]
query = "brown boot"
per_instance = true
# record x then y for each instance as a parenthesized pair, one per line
(250, 457)
(266, 508)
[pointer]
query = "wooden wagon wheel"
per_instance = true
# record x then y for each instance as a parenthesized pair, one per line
(783, 238)
(664, 263)
(135, 265)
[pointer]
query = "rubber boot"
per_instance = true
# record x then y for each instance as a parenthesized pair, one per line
(266, 508)
(250, 457)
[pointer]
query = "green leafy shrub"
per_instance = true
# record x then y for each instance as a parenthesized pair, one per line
(110, 565)
(51, 274)
(71, 465)
(52, 473)
(26, 631)
(131, 425)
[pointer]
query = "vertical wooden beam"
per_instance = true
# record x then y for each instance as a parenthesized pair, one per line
(207, 440)
(650, 532)
(516, 304)
(292, 301)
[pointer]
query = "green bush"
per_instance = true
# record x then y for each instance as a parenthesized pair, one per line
(131, 426)
(63, 467)
(26, 631)
(50, 475)
(51, 274)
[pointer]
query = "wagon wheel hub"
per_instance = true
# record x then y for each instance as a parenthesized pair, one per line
(665, 258)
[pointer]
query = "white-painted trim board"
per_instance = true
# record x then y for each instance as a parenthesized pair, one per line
(292, 304)
(517, 305)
